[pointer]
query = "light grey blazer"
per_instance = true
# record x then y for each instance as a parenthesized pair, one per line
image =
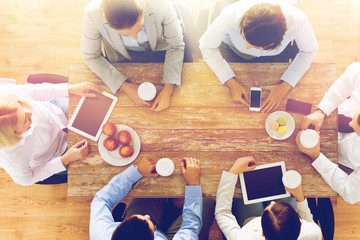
(162, 27)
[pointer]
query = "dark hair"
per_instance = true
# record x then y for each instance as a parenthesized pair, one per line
(281, 222)
(264, 25)
(121, 14)
(133, 228)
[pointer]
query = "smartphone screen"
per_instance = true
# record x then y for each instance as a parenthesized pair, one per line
(255, 99)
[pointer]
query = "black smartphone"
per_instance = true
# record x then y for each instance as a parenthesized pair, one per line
(255, 99)
(298, 106)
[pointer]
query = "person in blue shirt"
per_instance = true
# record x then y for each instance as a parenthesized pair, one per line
(138, 223)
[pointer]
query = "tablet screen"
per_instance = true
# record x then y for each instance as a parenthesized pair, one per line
(91, 113)
(266, 182)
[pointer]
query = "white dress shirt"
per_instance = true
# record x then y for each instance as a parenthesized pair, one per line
(37, 156)
(253, 230)
(225, 28)
(348, 85)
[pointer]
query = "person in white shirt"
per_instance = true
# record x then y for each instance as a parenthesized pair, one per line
(33, 142)
(254, 28)
(344, 94)
(279, 220)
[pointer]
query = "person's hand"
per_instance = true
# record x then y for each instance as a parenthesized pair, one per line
(83, 89)
(163, 99)
(243, 164)
(238, 93)
(130, 89)
(297, 192)
(277, 93)
(146, 167)
(78, 151)
(190, 168)
(313, 153)
(315, 119)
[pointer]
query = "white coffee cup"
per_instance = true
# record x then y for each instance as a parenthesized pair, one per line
(309, 138)
(291, 179)
(165, 167)
(147, 91)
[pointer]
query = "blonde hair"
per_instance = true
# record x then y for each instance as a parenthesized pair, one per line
(9, 119)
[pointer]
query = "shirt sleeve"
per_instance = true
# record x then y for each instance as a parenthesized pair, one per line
(302, 208)
(191, 214)
(341, 89)
(342, 183)
(92, 57)
(25, 176)
(308, 47)
(209, 46)
(174, 46)
(224, 217)
(101, 220)
(44, 91)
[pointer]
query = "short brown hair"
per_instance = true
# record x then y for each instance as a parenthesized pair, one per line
(281, 222)
(122, 14)
(264, 25)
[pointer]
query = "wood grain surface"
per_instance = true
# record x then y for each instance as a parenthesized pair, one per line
(204, 122)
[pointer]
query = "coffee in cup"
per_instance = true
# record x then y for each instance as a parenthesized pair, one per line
(309, 138)
(291, 179)
(147, 91)
(165, 167)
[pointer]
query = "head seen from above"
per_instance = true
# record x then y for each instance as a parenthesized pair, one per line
(135, 227)
(263, 26)
(126, 16)
(15, 119)
(280, 221)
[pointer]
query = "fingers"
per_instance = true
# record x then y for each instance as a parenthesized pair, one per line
(183, 165)
(155, 104)
(79, 144)
(305, 123)
(297, 139)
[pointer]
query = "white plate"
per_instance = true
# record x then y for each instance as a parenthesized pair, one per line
(290, 125)
(113, 157)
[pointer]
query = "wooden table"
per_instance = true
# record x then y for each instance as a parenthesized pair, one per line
(203, 122)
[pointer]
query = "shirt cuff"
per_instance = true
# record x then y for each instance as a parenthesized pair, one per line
(320, 162)
(326, 106)
(56, 165)
(193, 191)
(291, 77)
(302, 205)
(133, 174)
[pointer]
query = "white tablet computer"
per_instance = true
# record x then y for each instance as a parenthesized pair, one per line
(91, 114)
(263, 183)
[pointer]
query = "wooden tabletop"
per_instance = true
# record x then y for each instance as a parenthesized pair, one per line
(203, 122)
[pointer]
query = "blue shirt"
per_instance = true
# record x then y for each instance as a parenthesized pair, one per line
(102, 223)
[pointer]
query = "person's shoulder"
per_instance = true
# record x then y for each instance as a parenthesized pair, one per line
(93, 7)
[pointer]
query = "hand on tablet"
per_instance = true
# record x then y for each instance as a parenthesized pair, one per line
(83, 88)
(163, 99)
(243, 164)
(297, 192)
(78, 151)
(130, 89)
(146, 167)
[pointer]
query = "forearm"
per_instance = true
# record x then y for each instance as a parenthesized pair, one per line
(191, 214)
(344, 184)
(225, 193)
